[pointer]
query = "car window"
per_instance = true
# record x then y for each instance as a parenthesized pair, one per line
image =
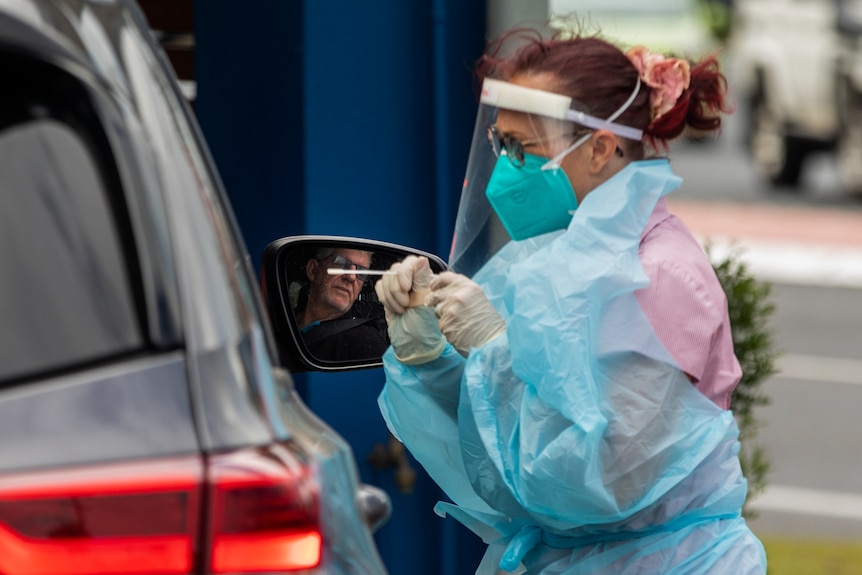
(66, 296)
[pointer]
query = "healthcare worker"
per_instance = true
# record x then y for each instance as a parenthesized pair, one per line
(568, 383)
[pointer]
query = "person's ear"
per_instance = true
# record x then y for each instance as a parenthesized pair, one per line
(311, 268)
(604, 148)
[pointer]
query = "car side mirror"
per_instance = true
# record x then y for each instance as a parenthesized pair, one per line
(319, 293)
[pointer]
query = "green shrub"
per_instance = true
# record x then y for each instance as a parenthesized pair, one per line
(750, 309)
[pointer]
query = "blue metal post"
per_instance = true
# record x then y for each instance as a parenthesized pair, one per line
(249, 68)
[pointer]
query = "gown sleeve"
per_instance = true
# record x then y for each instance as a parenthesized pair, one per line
(420, 407)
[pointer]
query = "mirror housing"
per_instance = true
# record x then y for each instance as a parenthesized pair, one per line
(300, 275)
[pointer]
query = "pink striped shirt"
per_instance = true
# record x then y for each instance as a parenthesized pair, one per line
(686, 305)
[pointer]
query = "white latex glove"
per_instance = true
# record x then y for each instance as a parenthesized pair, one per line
(412, 327)
(465, 315)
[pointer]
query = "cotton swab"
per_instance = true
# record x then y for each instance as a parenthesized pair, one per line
(339, 271)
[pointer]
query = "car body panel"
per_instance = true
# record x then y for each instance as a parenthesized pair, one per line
(131, 409)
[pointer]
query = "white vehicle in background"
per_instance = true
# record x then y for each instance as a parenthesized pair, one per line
(797, 70)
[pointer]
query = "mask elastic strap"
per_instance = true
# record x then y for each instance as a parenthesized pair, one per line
(554, 162)
(627, 103)
(585, 120)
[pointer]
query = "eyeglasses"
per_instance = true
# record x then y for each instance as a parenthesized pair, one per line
(513, 148)
(341, 262)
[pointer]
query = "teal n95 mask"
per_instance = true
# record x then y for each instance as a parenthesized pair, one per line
(534, 198)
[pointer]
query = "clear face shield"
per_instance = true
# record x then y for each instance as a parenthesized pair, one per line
(514, 187)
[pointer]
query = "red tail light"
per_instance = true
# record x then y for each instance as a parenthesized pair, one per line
(142, 518)
(132, 518)
(265, 507)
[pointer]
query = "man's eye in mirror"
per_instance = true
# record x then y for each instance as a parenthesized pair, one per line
(337, 312)
(343, 263)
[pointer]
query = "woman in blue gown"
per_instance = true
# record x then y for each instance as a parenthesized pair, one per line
(528, 381)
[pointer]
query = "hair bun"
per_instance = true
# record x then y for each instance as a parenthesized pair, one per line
(668, 78)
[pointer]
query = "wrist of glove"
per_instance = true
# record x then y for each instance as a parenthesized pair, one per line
(413, 331)
(465, 315)
(415, 336)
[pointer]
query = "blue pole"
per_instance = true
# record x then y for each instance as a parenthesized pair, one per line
(440, 20)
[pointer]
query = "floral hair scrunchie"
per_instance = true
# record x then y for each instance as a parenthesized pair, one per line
(668, 78)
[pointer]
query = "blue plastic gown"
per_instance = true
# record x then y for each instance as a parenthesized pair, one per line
(573, 443)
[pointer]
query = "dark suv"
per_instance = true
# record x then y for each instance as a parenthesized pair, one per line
(146, 424)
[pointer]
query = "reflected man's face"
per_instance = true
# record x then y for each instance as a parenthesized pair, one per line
(330, 296)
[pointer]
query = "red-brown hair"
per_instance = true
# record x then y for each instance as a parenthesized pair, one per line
(600, 78)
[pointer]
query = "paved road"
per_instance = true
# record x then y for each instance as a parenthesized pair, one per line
(808, 245)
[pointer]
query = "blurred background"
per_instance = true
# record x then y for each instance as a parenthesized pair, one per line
(355, 119)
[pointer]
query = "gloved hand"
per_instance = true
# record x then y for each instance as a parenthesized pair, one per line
(465, 315)
(412, 327)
